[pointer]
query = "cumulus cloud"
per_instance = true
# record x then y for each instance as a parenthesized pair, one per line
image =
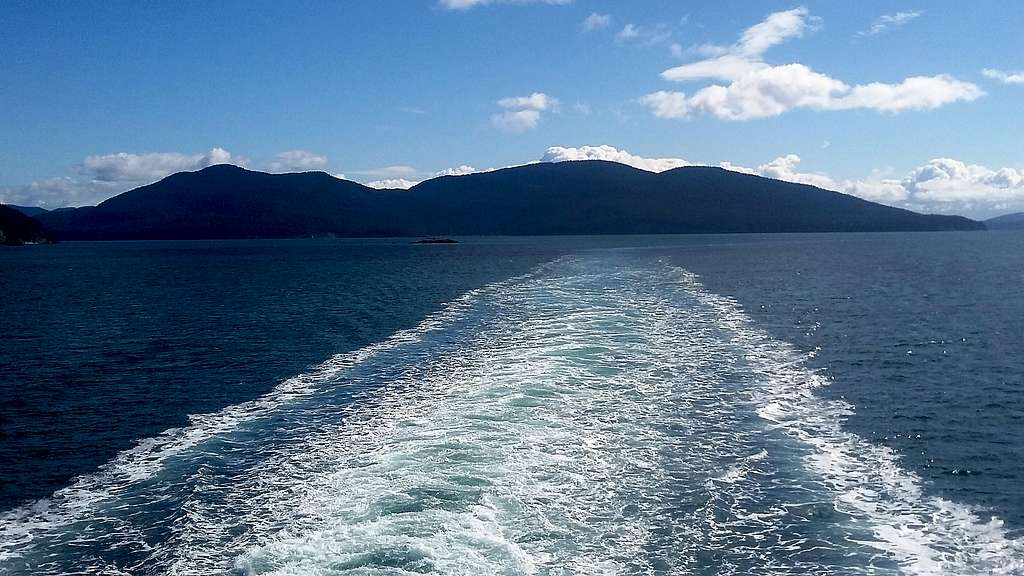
(523, 113)
(1016, 77)
(945, 180)
(399, 183)
(605, 152)
(752, 88)
(889, 21)
(941, 185)
(457, 171)
(406, 183)
(785, 168)
(296, 161)
(596, 22)
(125, 167)
(99, 177)
(467, 4)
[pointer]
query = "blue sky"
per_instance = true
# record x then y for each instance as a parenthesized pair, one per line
(99, 97)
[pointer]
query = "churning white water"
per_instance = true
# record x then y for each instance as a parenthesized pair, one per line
(602, 415)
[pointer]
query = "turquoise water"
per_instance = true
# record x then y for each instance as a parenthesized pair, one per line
(667, 405)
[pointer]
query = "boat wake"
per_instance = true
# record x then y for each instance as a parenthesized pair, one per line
(601, 415)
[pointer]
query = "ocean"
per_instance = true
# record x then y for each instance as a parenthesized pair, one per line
(734, 404)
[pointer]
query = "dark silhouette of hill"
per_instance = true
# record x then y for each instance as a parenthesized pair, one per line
(1013, 221)
(587, 197)
(17, 229)
(28, 210)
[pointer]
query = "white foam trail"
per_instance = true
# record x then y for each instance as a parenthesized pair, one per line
(927, 535)
(77, 501)
(603, 415)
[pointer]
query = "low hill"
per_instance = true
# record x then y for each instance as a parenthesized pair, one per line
(28, 210)
(587, 197)
(1006, 222)
(17, 229)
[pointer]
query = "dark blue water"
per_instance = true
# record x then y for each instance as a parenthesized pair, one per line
(703, 404)
(107, 343)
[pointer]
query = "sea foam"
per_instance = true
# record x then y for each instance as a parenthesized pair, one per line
(602, 415)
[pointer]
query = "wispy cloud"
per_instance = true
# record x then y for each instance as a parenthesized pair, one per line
(596, 22)
(646, 36)
(1016, 77)
(754, 89)
(889, 21)
(467, 4)
(395, 171)
(296, 161)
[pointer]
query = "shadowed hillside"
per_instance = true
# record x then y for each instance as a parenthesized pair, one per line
(589, 197)
(17, 229)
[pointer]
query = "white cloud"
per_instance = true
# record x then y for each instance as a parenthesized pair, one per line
(596, 22)
(945, 180)
(774, 30)
(396, 171)
(296, 161)
(1015, 77)
(755, 89)
(523, 113)
(537, 101)
(60, 192)
(646, 36)
(406, 183)
(149, 167)
(456, 171)
(785, 168)
(104, 175)
(516, 120)
(940, 185)
(916, 93)
(609, 153)
(101, 176)
(889, 21)
(400, 183)
(628, 32)
(467, 4)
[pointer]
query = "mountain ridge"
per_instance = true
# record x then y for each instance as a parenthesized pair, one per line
(578, 197)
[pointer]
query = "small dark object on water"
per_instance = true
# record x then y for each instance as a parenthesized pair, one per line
(436, 241)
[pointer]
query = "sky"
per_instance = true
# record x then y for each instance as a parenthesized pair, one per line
(919, 105)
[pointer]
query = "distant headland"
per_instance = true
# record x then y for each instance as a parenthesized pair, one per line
(581, 197)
